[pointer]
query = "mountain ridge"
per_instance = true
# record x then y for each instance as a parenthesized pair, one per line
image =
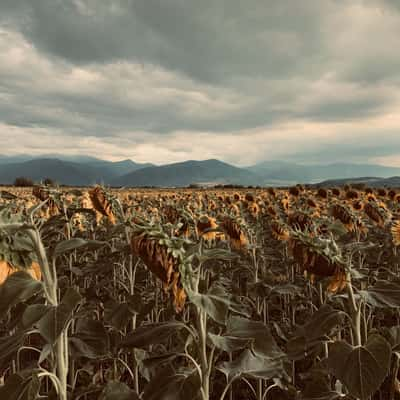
(87, 170)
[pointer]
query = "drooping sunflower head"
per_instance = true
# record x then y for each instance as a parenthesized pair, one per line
(369, 190)
(318, 258)
(249, 197)
(342, 213)
(300, 220)
(236, 196)
(161, 262)
(395, 230)
(311, 203)
(294, 191)
(322, 193)
(392, 194)
(381, 192)
(101, 202)
(203, 225)
(375, 213)
(254, 209)
(357, 205)
(272, 211)
(235, 231)
(279, 230)
(351, 194)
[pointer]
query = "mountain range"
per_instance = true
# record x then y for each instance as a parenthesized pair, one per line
(85, 170)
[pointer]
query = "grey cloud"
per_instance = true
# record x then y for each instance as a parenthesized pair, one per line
(218, 66)
(208, 40)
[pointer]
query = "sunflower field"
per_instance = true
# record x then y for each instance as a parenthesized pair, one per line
(217, 294)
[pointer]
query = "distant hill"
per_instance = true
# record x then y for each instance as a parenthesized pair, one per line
(86, 170)
(393, 182)
(116, 169)
(272, 171)
(189, 172)
(14, 159)
(64, 172)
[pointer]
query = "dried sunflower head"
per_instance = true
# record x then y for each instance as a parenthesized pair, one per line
(300, 220)
(311, 203)
(279, 230)
(392, 194)
(357, 205)
(285, 204)
(344, 215)
(235, 232)
(204, 224)
(322, 193)
(160, 261)
(395, 230)
(249, 197)
(338, 282)
(376, 213)
(101, 202)
(319, 258)
(254, 209)
(381, 192)
(294, 191)
(351, 194)
(271, 211)
(236, 196)
(43, 194)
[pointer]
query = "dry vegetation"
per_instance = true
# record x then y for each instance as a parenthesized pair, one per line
(199, 294)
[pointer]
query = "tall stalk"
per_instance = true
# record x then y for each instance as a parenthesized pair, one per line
(50, 290)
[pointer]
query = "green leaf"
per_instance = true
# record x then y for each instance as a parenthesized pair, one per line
(90, 339)
(383, 294)
(115, 390)
(157, 361)
(299, 347)
(252, 365)
(46, 351)
(229, 343)
(17, 288)
(362, 369)
(214, 306)
(56, 319)
(392, 335)
(24, 385)
(262, 340)
(33, 314)
(9, 346)
(168, 384)
(321, 323)
(13, 388)
(318, 387)
(151, 334)
(76, 243)
(216, 253)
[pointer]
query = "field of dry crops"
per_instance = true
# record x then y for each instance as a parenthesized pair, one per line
(199, 294)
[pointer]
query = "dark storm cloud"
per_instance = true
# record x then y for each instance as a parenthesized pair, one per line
(143, 71)
(208, 40)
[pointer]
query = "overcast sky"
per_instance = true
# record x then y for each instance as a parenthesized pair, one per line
(170, 80)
